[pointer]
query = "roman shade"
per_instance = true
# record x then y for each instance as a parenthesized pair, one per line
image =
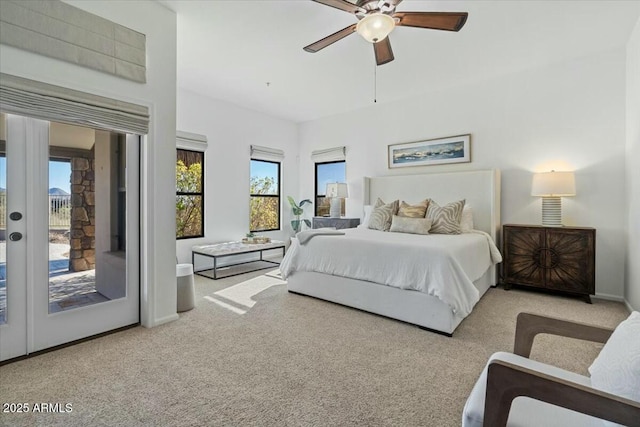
(56, 103)
(191, 141)
(336, 154)
(266, 153)
(61, 31)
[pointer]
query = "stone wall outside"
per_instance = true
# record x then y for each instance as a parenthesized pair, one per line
(82, 254)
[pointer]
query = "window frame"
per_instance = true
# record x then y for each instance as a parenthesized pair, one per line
(267, 195)
(201, 193)
(316, 196)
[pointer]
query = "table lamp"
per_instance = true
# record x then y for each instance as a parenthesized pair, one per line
(551, 186)
(336, 191)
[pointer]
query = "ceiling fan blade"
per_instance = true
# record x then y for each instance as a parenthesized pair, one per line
(383, 51)
(394, 2)
(321, 44)
(342, 5)
(449, 21)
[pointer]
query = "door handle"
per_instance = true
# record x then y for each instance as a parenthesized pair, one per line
(15, 236)
(15, 216)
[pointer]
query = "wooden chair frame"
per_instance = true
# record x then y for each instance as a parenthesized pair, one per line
(506, 381)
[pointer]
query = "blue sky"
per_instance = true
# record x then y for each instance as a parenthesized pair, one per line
(59, 174)
(264, 169)
(328, 172)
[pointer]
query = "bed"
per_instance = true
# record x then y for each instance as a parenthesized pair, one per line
(435, 295)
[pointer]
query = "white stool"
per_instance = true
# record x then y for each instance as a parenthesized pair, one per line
(186, 290)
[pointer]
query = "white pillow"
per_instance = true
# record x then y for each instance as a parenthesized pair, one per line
(406, 224)
(466, 221)
(367, 215)
(616, 370)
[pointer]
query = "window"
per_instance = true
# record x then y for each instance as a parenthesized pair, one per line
(325, 173)
(189, 194)
(265, 196)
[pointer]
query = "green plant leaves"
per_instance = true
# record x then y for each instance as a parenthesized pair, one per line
(297, 211)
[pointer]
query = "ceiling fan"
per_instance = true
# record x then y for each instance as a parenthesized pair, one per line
(377, 18)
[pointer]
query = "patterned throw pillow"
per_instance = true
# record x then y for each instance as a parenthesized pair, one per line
(446, 219)
(413, 211)
(403, 224)
(382, 215)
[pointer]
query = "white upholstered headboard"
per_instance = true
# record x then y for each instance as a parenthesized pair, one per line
(480, 189)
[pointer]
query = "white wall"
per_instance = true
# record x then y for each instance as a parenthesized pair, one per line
(565, 116)
(230, 130)
(158, 292)
(632, 285)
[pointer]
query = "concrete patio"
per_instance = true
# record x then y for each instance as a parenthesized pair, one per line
(67, 290)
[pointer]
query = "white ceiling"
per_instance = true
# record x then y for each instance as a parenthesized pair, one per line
(229, 50)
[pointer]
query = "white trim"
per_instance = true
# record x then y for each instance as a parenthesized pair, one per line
(628, 305)
(335, 154)
(266, 153)
(191, 141)
(147, 270)
(162, 320)
(608, 297)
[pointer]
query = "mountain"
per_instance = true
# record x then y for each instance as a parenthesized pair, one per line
(57, 192)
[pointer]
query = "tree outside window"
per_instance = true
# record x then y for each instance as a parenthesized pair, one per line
(189, 194)
(264, 196)
(325, 173)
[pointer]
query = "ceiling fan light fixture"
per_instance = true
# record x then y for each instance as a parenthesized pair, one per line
(375, 27)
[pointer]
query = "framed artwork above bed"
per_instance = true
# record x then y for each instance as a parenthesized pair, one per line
(452, 149)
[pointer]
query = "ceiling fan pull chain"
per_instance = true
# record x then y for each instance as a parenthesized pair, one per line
(375, 84)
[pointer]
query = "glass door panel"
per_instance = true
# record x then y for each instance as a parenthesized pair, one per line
(92, 262)
(86, 217)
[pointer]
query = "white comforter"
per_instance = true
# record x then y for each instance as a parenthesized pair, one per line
(440, 265)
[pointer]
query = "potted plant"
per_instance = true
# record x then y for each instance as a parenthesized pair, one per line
(298, 210)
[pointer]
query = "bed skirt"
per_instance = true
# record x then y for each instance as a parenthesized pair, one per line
(408, 306)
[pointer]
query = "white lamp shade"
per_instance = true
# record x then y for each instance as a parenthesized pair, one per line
(375, 27)
(337, 189)
(553, 184)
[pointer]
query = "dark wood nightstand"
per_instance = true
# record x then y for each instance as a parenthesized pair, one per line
(338, 223)
(551, 258)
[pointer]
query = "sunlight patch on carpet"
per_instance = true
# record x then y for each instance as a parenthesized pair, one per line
(225, 305)
(242, 294)
(275, 273)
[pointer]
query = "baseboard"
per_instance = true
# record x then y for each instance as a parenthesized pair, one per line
(614, 298)
(608, 297)
(629, 306)
(163, 320)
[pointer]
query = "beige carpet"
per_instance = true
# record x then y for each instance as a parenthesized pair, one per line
(279, 359)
